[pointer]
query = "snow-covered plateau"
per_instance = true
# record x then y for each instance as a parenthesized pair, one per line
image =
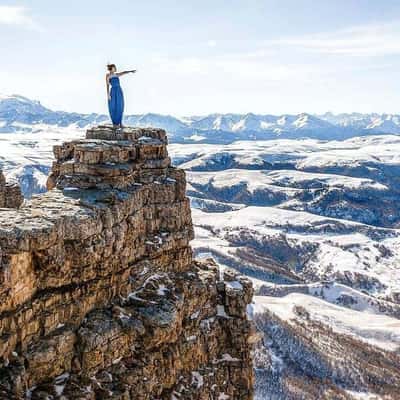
(311, 215)
(316, 225)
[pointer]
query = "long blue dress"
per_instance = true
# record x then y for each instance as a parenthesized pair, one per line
(116, 103)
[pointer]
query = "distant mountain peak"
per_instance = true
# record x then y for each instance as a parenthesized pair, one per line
(216, 127)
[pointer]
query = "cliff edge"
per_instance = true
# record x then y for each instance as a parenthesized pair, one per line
(100, 296)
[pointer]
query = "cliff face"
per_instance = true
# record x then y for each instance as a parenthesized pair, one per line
(10, 194)
(100, 296)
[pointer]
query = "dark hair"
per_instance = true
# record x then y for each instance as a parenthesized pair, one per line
(111, 66)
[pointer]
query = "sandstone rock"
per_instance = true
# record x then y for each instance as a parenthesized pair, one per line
(101, 298)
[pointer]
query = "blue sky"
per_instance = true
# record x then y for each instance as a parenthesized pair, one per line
(197, 57)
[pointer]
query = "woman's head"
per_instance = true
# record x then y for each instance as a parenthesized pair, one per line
(111, 68)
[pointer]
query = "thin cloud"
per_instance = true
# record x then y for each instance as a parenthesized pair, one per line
(16, 16)
(368, 41)
(240, 67)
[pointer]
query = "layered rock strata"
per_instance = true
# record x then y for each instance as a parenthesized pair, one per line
(100, 296)
(10, 194)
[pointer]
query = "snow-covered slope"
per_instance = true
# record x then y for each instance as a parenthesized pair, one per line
(315, 350)
(376, 330)
(315, 224)
(283, 246)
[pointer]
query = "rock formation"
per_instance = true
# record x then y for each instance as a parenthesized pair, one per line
(100, 296)
(10, 194)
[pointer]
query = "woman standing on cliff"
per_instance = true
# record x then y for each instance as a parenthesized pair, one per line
(115, 96)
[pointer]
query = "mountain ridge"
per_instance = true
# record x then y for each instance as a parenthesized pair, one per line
(19, 113)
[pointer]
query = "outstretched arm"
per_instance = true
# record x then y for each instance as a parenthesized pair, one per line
(125, 72)
(108, 87)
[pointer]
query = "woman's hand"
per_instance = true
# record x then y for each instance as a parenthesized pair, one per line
(109, 97)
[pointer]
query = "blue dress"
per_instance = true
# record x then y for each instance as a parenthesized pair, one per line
(116, 103)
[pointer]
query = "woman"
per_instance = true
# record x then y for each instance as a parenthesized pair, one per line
(115, 95)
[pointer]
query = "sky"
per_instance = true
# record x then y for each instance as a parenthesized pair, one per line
(200, 57)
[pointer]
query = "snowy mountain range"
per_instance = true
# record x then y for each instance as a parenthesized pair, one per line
(18, 113)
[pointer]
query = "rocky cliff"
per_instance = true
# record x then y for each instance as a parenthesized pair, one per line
(10, 194)
(100, 296)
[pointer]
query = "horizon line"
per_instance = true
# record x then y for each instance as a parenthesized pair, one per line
(204, 115)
